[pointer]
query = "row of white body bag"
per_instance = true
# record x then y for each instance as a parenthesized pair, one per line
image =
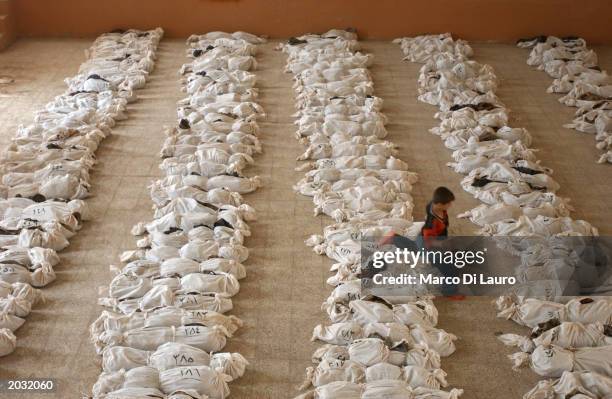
(500, 169)
(374, 347)
(519, 200)
(573, 66)
(45, 170)
(164, 325)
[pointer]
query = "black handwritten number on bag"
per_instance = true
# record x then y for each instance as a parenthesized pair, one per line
(555, 335)
(190, 372)
(347, 335)
(39, 211)
(191, 331)
(344, 251)
(371, 246)
(182, 359)
(188, 300)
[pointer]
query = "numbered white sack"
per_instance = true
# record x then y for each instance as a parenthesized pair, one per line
(202, 379)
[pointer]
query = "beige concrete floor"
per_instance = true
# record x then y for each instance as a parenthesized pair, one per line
(279, 301)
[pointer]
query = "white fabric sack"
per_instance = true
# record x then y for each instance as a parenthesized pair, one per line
(416, 376)
(162, 317)
(10, 321)
(174, 354)
(16, 306)
(387, 388)
(202, 379)
(40, 277)
(552, 361)
(530, 311)
(591, 385)
(232, 364)
(8, 342)
(235, 184)
(338, 333)
(330, 370)
(139, 377)
(135, 392)
(209, 339)
(434, 338)
(335, 390)
(422, 312)
(371, 351)
(365, 351)
(221, 283)
(566, 335)
(394, 333)
(116, 358)
(383, 371)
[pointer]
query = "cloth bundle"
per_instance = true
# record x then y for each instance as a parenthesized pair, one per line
(16, 301)
(395, 334)
(551, 360)
(385, 388)
(533, 312)
(44, 172)
(575, 384)
(565, 335)
(163, 317)
(8, 341)
(421, 312)
(28, 265)
(583, 84)
(371, 351)
(188, 380)
(166, 305)
(425, 48)
(345, 370)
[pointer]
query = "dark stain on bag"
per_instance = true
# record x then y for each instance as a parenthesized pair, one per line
(184, 124)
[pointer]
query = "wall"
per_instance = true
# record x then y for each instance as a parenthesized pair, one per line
(498, 20)
(8, 25)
